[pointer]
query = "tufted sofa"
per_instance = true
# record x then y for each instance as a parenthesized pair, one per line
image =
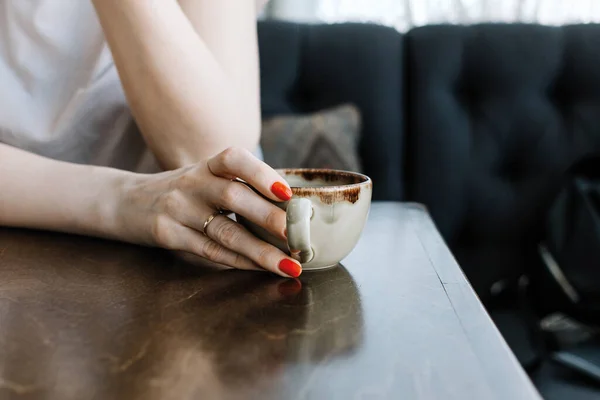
(476, 122)
(306, 68)
(495, 114)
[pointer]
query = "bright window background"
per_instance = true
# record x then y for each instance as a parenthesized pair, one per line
(405, 14)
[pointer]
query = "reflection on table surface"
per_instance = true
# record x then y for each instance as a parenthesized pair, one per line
(82, 318)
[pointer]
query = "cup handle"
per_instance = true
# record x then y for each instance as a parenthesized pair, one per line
(298, 214)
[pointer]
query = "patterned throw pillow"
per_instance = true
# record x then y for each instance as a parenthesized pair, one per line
(325, 139)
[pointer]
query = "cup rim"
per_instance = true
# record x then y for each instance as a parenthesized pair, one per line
(365, 180)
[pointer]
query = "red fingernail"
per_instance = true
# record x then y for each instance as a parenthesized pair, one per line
(290, 287)
(282, 191)
(290, 268)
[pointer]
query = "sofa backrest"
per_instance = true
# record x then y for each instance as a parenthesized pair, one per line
(495, 114)
(306, 68)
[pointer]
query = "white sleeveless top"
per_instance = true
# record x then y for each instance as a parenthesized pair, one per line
(60, 94)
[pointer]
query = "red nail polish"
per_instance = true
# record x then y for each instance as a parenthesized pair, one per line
(282, 191)
(290, 268)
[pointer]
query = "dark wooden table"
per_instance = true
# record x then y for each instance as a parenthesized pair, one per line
(82, 318)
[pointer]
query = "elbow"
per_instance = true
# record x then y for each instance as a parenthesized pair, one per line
(249, 129)
(254, 134)
(237, 132)
(237, 125)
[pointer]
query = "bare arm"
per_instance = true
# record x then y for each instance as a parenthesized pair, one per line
(42, 193)
(190, 105)
(166, 209)
(190, 73)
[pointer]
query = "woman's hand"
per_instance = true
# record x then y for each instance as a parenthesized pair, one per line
(170, 209)
(167, 209)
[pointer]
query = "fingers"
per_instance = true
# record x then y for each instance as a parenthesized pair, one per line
(173, 236)
(225, 241)
(231, 243)
(240, 199)
(232, 235)
(232, 196)
(240, 163)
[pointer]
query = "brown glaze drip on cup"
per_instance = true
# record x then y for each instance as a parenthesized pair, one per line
(351, 194)
(344, 178)
(344, 186)
(347, 187)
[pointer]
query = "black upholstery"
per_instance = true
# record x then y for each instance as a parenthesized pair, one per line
(476, 122)
(306, 68)
(495, 113)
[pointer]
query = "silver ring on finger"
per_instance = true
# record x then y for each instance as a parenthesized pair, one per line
(209, 220)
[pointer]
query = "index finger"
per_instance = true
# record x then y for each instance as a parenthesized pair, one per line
(241, 163)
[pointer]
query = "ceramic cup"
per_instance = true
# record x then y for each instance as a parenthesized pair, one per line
(325, 216)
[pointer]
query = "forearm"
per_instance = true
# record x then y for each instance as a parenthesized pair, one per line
(42, 193)
(187, 104)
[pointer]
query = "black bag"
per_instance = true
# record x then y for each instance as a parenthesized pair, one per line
(570, 248)
(555, 307)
